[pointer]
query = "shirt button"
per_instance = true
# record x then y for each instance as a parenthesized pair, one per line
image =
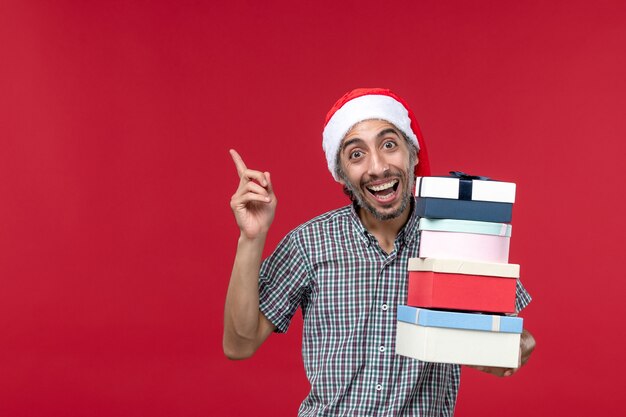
(379, 387)
(384, 307)
(381, 348)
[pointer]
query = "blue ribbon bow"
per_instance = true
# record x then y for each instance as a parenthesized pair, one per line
(464, 176)
(465, 183)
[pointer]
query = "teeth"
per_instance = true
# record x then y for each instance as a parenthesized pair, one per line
(383, 186)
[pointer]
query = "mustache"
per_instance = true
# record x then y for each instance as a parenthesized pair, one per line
(395, 173)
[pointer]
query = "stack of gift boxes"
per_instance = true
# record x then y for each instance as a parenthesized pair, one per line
(461, 291)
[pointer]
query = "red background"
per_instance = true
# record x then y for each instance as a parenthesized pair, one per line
(116, 237)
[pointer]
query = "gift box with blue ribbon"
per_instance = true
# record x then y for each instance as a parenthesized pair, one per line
(464, 197)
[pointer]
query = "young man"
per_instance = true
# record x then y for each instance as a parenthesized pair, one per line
(346, 269)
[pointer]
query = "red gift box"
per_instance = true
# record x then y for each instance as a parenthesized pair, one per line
(462, 285)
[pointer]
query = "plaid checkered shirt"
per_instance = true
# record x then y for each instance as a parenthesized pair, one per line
(349, 290)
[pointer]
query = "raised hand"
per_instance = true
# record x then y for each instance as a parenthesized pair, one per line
(254, 202)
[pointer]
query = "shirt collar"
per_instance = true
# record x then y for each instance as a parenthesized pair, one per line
(409, 231)
(360, 231)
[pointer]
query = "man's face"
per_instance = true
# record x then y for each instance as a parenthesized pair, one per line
(376, 166)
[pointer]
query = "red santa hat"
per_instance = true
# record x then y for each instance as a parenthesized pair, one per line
(365, 104)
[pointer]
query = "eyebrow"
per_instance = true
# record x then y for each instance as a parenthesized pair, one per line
(350, 142)
(378, 136)
(384, 132)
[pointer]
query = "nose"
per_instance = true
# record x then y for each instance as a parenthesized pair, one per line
(378, 164)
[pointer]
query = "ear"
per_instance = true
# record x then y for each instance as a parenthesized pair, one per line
(339, 179)
(338, 168)
(415, 152)
(417, 161)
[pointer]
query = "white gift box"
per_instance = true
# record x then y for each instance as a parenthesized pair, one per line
(459, 338)
(465, 189)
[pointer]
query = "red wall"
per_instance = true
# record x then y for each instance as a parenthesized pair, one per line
(116, 237)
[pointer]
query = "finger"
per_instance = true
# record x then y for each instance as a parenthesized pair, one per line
(253, 187)
(270, 187)
(495, 370)
(250, 187)
(258, 176)
(527, 346)
(242, 200)
(239, 164)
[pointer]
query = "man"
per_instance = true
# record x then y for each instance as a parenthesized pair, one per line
(346, 269)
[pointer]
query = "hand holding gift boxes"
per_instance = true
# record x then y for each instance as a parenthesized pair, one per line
(462, 267)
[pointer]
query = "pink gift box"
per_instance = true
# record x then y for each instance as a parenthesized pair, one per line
(466, 246)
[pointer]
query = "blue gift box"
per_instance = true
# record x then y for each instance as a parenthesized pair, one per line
(456, 320)
(444, 208)
(460, 338)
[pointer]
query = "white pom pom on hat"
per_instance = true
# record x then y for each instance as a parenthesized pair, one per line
(365, 104)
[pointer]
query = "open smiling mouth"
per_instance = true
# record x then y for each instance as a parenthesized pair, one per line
(384, 191)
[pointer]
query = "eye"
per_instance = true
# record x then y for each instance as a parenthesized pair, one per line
(390, 144)
(355, 154)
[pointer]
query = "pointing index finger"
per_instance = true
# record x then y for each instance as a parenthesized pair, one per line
(239, 164)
